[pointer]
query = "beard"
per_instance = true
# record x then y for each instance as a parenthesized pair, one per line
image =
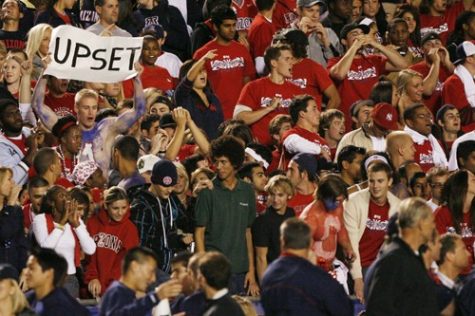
(14, 128)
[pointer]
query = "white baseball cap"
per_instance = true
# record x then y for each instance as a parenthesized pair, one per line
(146, 162)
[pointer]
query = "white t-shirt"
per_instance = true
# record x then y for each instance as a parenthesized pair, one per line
(432, 205)
(170, 62)
(379, 143)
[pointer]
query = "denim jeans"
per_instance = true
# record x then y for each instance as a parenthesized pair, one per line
(71, 284)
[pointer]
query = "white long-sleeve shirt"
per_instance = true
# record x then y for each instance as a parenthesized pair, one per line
(62, 241)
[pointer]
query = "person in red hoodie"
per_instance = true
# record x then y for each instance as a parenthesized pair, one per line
(114, 235)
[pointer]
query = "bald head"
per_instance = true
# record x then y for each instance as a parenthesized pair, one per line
(396, 140)
(400, 147)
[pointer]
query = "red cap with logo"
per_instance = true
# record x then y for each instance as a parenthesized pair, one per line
(385, 116)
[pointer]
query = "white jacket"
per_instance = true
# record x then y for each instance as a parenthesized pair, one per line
(11, 157)
(355, 216)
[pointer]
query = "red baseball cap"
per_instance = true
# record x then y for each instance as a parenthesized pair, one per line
(385, 116)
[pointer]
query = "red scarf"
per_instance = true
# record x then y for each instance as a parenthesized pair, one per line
(77, 250)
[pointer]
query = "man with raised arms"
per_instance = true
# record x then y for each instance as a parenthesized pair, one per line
(97, 138)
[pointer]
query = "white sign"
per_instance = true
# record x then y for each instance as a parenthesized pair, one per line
(81, 55)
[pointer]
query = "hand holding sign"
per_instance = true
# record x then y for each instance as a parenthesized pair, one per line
(45, 61)
(107, 32)
(81, 55)
(139, 68)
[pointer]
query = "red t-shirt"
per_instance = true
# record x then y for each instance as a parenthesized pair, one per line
(373, 236)
(152, 77)
(226, 72)
(28, 216)
(276, 156)
(333, 153)
(284, 13)
(446, 146)
(424, 156)
(363, 75)
(468, 128)
(258, 94)
(186, 151)
(299, 201)
(245, 11)
(20, 143)
(445, 224)
(260, 35)
(434, 101)
(64, 183)
(67, 166)
(442, 25)
(261, 204)
(312, 78)
(453, 92)
(61, 106)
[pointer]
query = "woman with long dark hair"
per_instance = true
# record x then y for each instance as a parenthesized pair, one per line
(194, 94)
(410, 14)
(374, 10)
(464, 31)
(457, 214)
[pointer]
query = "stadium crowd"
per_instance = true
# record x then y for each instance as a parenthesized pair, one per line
(277, 157)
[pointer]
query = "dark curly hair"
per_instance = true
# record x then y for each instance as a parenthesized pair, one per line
(229, 147)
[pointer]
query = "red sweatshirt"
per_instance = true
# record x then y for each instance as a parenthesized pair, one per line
(113, 240)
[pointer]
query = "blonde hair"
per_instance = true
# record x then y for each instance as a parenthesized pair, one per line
(85, 93)
(403, 79)
(150, 95)
(280, 182)
(35, 36)
(208, 172)
(114, 194)
(18, 299)
(181, 170)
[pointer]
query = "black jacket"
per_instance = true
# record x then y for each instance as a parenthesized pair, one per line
(13, 243)
(52, 18)
(465, 301)
(225, 305)
(163, 237)
(202, 34)
(398, 283)
(57, 303)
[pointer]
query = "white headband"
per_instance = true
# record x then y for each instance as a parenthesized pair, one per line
(251, 152)
(374, 158)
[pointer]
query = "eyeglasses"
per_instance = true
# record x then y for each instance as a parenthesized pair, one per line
(424, 116)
